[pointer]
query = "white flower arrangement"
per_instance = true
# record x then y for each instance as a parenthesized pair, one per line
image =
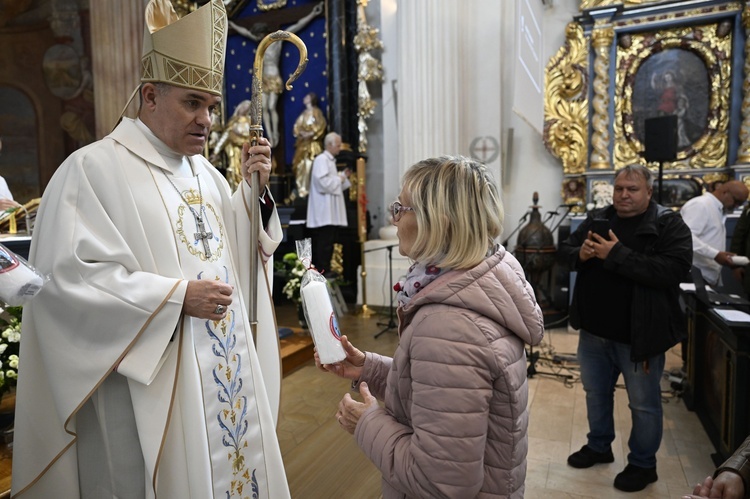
(293, 270)
(10, 338)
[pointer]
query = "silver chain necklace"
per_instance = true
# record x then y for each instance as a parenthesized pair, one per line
(200, 226)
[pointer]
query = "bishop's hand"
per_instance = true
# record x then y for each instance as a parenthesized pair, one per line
(207, 299)
(257, 158)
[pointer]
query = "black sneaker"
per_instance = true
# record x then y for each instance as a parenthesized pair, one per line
(587, 457)
(634, 478)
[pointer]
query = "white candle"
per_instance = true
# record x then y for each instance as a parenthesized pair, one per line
(322, 322)
(18, 282)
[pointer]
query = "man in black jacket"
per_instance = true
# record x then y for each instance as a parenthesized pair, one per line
(625, 303)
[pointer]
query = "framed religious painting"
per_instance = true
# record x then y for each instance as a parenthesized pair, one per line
(625, 62)
(683, 71)
(677, 190)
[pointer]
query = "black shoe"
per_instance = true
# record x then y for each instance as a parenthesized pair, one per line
(586, 457)
(634, 478)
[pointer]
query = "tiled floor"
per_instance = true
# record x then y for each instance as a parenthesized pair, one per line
(558, 427)
(323, 461)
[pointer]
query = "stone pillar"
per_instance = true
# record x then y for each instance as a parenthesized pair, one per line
(117, 37)
(601, 40)
(430, 70)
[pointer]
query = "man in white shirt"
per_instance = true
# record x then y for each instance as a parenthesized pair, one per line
(706, 217)
(6, 198)
(326, 210)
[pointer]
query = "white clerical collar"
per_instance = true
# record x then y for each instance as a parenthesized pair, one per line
(179, 164)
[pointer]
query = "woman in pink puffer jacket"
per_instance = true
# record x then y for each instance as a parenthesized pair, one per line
(455, 418)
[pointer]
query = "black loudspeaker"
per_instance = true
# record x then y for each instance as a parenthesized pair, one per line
(661, 138)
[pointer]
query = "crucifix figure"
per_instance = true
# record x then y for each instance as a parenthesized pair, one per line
(203, 235)
(272, 82)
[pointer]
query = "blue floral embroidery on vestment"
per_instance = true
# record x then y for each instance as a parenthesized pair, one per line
(233, 418)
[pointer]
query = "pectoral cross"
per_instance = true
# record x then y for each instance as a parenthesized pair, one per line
(203, 235)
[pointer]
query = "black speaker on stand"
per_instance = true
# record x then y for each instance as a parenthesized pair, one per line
(660, 144)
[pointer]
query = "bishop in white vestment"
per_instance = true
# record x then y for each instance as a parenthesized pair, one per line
(126, 388)
(118, 242)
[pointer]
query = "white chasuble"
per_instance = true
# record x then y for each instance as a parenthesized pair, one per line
(119, 394)
(223, 417)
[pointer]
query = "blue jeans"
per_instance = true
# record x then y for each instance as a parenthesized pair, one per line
(601, 362)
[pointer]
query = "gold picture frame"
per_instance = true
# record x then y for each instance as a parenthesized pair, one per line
(686, 71)
(678, 189)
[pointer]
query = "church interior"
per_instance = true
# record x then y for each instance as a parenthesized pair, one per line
(554, 96)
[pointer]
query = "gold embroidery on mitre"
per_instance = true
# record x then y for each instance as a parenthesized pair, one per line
(147, 69)
(187, 52)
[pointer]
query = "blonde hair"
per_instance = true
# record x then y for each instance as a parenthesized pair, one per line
(458, 209)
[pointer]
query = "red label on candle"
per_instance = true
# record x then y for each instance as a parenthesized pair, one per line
(333, 324)
(8, 261)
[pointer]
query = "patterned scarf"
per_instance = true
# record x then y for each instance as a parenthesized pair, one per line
(416, 279)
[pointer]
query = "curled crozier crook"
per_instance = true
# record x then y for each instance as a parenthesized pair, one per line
(256, 109)
(256, 131)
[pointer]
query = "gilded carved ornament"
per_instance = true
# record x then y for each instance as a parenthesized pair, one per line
(573, 192)
(601, 41)
(743, 154)
(369, 70)
(710, 178)
(712, 44)
(566, 103)
(588, 4)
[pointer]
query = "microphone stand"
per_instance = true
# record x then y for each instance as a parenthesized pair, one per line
(391, 324)
(518, 227)
(532, 356)
(562, 219)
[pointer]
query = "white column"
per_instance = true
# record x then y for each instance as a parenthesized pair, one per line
(430, 66)
(117, 37)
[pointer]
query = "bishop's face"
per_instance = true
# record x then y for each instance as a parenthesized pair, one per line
(180, 117)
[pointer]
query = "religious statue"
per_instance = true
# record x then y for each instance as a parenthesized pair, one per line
(309, 129)
(236, 132)
(272, 83)
(601, 193)
(574, 194)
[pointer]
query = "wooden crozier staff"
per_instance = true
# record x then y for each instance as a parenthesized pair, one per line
(256, 132)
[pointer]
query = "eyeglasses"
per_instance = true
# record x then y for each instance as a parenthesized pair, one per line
(397, 209)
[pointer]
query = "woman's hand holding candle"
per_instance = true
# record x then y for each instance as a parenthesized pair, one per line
(349, 368)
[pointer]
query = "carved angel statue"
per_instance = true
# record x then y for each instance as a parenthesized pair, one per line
(309, 129)
(236, 132)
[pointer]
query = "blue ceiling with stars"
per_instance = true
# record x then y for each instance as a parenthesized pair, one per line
(240, 57)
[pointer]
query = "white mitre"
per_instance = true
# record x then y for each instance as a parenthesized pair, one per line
(186, 52)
